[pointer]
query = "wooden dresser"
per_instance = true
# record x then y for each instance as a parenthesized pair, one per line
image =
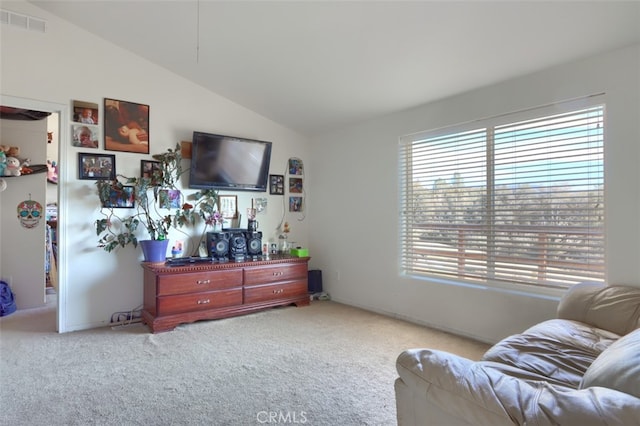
(182, 294)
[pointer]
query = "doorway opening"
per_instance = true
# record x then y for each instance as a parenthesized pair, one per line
(54, 272)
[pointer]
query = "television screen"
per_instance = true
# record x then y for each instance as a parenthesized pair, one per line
(227, 162)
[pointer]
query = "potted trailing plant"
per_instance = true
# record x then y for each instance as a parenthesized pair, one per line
(205, 207)
(116, 230)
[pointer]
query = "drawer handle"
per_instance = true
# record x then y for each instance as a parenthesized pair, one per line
(203, 281)
(278, 291)
(204, 302)
(277, 274)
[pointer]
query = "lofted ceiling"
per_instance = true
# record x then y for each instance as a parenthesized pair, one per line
(317, 65)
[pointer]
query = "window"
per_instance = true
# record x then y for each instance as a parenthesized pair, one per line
(516, 199)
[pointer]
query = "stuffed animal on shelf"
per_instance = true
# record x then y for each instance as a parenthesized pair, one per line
(13, 151)
(52, 171)
(7, 152)
(3, 162)
(24, 167)
(13, 167)
(10, 151)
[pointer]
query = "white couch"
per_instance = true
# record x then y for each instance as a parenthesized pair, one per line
(582, 368)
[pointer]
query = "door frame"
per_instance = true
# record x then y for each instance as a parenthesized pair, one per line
(63, 135)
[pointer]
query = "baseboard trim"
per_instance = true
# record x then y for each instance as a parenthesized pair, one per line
(412, 320)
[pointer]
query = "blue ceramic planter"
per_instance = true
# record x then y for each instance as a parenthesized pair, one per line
(154, 250)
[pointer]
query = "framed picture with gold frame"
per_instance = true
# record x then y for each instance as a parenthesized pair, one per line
(228, 206)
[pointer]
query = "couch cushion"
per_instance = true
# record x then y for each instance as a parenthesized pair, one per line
(615, 308)
(479, 394)
(617, 367)
(561, 350)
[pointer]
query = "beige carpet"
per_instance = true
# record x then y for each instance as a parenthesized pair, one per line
(325, 364)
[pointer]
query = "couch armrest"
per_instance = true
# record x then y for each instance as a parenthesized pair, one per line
(452, 383)
(615, 308)
(478, 394)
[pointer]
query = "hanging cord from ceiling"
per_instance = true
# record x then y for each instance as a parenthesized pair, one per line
(198, 33)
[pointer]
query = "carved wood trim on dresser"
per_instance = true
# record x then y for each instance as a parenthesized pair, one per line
(175, 295)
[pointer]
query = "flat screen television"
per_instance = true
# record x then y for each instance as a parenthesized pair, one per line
(228, 162)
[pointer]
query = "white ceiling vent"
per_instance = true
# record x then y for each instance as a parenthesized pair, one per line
(22, 21)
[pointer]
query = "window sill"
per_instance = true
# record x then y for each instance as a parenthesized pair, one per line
(498, 287)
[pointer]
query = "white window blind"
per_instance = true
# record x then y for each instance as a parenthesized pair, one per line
(519, 202)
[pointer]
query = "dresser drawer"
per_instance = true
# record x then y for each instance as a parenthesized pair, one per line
(274, 273)
(198, 281)
(198, 301)
(268, 292)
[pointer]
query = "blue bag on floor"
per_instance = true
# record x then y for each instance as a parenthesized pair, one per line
(7, 301)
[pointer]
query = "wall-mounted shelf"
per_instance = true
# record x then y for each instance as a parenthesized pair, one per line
(35, 169)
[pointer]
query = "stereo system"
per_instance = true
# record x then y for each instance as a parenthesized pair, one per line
(235, 245)
(218, 245)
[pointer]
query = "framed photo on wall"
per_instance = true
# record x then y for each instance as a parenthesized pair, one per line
(276, 184)
(121, 199)
(169, 198)
(126, 126)
(295, 204)
(96, 166)
(85, 112)
(152, 170)
(295, 185)
(85, 136)
(296, 167)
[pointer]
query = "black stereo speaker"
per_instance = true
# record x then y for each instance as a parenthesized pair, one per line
(218, 245)
(254, 243)
(237, 246)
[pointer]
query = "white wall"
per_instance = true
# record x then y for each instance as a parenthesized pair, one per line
(357, 209)
(350, 177)
(66, 64)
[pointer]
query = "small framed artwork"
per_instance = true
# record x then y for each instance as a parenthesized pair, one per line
(295, 204)
(296, 167)
(96, 166)
(152, 170)
(121, 198)
(169, 198)
(273, 247)
(276, 184)
(126, 126)
(261, 205)
(85, 136)
(85, 112)
(228, 206)
(295, 185)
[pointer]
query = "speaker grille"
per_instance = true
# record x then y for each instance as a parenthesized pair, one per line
(254, 243)
(218, 245)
